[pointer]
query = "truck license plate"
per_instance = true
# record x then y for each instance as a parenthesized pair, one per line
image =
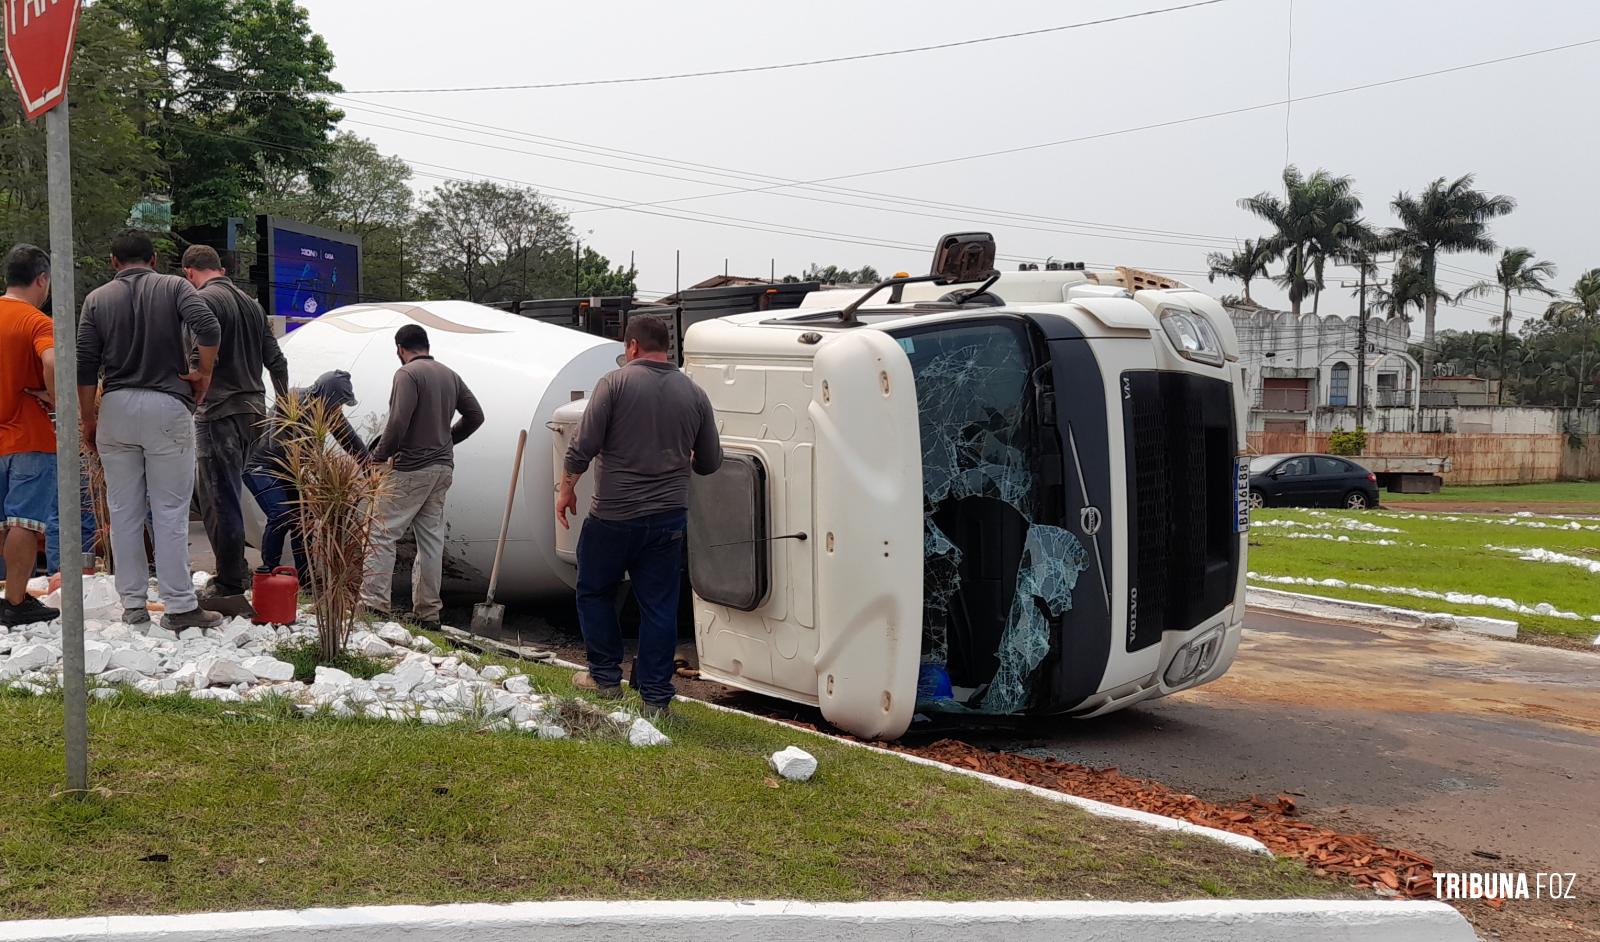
(1241, 495)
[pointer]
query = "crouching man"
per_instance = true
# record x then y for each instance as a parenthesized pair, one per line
(649, 425)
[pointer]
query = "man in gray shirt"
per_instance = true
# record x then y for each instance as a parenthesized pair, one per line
(230, 420)
(649, 425)
(134, 339)
(420, 439)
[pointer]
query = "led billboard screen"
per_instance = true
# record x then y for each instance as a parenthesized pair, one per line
(310, 270)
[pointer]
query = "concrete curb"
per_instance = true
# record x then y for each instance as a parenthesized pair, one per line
(1099, 809)
(1192, 921)
(1279, 600)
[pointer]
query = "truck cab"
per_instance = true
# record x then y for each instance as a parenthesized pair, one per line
(972, 492)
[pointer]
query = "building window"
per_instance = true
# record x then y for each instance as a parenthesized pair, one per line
(1339, 385)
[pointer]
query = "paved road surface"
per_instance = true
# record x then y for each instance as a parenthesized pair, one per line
(1439, 742)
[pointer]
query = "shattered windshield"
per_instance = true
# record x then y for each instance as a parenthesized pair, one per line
(996, 569)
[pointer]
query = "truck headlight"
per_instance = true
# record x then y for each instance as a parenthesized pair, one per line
(1192, 336)
(1194, 658)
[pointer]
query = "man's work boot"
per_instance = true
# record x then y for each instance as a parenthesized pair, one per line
(585, 682)
(657, 712)
(136, 616)
(195, 618)
(231, 606)
(29, 611)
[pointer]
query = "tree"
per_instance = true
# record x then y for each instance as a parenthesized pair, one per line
(835, 275)
(1517, 273)
(1448, 217)
(1314, 220)
(1407, 289)
(358, 190)
(1579, 315)
(237, 95)
(111, 162)
(1244, 265)
(486, 242)
(597, 279)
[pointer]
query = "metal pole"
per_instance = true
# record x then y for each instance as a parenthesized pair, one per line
(1361, 354)
(64, 305)
(677, 270)
(577, 256)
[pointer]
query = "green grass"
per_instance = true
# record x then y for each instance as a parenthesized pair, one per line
(306, 656)
(1560, 492)
(251, 808)
(1438, 555)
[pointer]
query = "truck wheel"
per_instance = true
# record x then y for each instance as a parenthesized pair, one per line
(1355, 500)
(1258, 500)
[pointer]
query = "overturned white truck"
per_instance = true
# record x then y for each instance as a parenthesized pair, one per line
(967, 492)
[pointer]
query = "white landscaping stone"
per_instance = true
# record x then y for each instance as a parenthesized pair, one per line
(552, 732)
(521, 686)
(494, 673)
(135, 660)
(219, 694)
(153, 630)
(423, 643)
(105, 693)
(793, 763)
(371, 645)
(96, 656)
(394, 634)
(30, 656)
(123, 675)
(191, 634)
(220, 671)
(187, 677)
(25, 687)
(269, 668)
(333, 676)
(642, 733)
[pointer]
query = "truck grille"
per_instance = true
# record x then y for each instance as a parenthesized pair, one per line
(1183, 550)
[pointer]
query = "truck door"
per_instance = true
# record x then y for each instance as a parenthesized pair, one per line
(867, 541)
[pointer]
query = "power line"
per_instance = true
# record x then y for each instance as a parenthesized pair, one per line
(512, 134)
(1288, 82)
(782, 66)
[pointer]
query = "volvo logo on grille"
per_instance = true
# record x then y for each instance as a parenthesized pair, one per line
(1089, 520)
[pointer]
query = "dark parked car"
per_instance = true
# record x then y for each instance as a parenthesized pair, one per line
(1311, 481)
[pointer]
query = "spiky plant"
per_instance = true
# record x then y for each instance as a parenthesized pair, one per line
(336, 514)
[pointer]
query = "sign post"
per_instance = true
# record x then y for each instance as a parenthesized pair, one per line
(39, 42)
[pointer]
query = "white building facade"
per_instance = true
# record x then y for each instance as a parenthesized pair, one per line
(1302, 372)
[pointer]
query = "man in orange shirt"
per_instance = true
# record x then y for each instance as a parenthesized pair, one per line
(27, 436)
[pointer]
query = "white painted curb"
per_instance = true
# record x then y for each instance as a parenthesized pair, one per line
(1318, 606)
(1194, 921)
(1097, 808)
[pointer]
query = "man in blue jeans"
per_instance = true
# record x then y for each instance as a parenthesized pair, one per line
(649, 425)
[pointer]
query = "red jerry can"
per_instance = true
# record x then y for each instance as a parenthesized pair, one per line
(275, 595)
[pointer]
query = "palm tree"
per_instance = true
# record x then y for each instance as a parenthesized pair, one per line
(1292, 218)
(1517, 273)
(1581, 312)
(1339, 229)
(1407, 289)
(1448, 216)
(1243, 266)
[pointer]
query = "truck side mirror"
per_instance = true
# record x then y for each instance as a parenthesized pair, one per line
(963, 257)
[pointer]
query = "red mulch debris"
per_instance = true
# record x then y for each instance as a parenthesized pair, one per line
(1272, 822)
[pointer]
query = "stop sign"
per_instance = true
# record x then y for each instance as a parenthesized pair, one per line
(39, 40)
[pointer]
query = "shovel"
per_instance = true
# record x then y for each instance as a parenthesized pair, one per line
(488, 616)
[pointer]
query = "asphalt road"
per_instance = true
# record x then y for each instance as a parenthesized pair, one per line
(1438, 742)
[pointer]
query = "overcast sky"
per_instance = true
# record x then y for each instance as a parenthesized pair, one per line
(1524, 127)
